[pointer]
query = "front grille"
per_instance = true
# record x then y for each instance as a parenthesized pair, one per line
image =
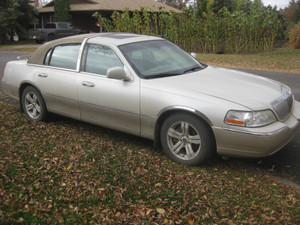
(283, 105)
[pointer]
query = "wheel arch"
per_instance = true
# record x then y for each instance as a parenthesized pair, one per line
(165, 113)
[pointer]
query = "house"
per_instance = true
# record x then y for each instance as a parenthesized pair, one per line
(82, 10)
(34, 3)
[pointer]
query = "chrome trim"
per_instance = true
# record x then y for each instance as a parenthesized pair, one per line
(28, 82)
(256, 133)
(92, 74)
(104, 76)
(185, 108)
(81, 54)
(23, 57)
(43, 75)
(88, 84)
(52, 67)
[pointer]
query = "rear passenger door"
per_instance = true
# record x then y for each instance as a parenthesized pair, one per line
(108, 102)
(57, 80)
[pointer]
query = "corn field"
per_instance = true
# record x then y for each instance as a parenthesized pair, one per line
(226, 32)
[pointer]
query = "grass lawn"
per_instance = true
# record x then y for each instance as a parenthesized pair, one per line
(280, 60)
(65, 171)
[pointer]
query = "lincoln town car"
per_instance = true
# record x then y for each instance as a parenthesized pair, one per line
(149, 87)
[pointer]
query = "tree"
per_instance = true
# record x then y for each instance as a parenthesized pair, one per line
(16, 17)
(292, 12)
(61, 10)
(204, 6)
(219, 4)
(258, 3)
(178, 4)
(245, 6)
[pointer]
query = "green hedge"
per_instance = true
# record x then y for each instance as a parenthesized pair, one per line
(226, 32)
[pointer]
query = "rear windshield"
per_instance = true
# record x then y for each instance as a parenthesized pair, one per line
(50, 25)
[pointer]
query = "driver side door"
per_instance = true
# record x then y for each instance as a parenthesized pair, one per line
(107, 102)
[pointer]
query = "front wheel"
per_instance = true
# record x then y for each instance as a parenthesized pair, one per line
(39, 41)
(33, 104)
(187, 139)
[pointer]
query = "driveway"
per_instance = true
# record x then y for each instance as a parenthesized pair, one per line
(285, 163)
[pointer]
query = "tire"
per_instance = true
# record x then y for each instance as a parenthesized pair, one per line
(39, 41)
(50, 37)
(33, 104)
(187, 139)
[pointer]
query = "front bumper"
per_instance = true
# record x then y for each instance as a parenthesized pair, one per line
(257, 142)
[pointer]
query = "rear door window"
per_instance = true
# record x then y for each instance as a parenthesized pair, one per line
(65, 56)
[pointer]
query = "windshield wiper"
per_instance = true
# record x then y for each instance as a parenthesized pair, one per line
(174, 73)
(192, 69)
(166, 74)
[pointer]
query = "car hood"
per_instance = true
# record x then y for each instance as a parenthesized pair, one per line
(248, 90)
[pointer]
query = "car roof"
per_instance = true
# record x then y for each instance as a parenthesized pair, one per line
(121, 38)
(98, 38)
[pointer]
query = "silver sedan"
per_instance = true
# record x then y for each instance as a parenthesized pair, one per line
(149, 87)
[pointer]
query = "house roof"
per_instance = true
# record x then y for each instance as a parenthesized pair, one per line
(110, 5)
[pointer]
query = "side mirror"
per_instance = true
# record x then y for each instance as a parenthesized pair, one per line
(194, 55)
(117, 73)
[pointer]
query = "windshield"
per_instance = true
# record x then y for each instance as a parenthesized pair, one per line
(153, 59)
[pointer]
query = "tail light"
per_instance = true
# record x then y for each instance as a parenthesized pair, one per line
(41, 31)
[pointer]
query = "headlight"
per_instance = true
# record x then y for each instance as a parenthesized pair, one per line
(250, 118)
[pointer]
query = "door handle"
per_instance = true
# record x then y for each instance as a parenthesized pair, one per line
(88, 84)
(44, 75)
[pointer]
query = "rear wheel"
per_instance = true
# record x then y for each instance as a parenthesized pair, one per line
(50, 37)
(187, 139)
(33, 104)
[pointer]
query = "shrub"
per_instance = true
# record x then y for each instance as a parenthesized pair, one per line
(294, 36)
(224, 32)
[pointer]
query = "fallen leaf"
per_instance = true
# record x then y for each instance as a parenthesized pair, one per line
(158, 185)
(191, 222)
(160, 210)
